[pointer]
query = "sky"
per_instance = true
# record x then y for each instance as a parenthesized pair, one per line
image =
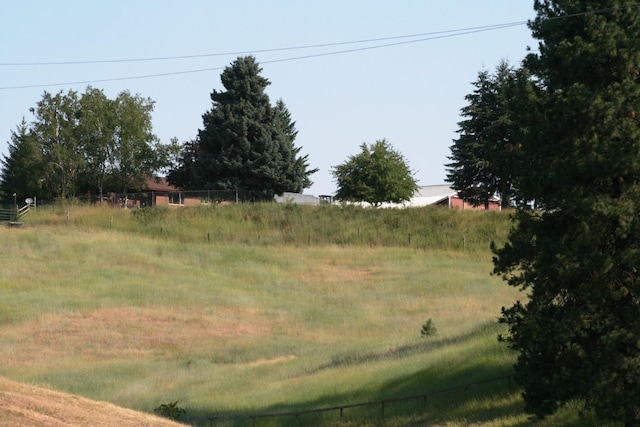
(350, 72)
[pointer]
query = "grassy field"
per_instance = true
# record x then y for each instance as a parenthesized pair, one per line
(262, 308)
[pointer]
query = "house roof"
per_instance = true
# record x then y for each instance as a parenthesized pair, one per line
(159, 184)
(431, 194)
(297, 198)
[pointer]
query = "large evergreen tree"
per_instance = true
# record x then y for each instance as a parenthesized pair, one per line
(484, 153)
(578, 332)
(294, 169)
(21, 167)
(245, 144)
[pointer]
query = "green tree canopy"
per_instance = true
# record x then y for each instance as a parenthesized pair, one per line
(137, 152)
(95, 132)
(246, 143)
(54, 130)
(378, 174)
(577, 333)
(83, 143)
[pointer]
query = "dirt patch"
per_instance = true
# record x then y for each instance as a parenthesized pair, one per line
(332, 272)
(126, 332)
(272, 361)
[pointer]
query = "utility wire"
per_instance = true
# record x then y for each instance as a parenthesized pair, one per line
(440, 35)
(431, 35)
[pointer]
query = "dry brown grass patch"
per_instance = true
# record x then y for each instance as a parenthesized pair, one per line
(125, 332)
(337, 271)
(23, 405)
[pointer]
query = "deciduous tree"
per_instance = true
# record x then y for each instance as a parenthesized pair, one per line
(96, 133)
(378, 174)
(55, 130)
(86, 143)
(137, 152)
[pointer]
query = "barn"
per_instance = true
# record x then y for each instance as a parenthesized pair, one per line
(446, 196)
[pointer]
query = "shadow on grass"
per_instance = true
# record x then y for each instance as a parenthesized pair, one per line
(479, 393)
(430, 394)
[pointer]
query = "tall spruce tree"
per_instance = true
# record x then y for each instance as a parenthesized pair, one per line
(483, 155)
(246, 144)
(20, 171)
(578, 332)
(294, 169)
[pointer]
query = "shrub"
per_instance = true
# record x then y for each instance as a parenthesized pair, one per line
(170, 410)
(428, 329)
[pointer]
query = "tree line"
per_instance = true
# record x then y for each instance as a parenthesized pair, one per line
(88, 144)
(82, 144)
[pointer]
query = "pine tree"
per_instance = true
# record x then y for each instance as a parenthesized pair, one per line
(22, 168)
(294, 169)
(577, 333)
(484, 153)
(246, 144)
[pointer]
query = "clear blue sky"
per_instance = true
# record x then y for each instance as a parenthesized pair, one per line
(411, 93)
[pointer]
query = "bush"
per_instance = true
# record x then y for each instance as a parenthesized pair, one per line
(170, 410)
(428, 329)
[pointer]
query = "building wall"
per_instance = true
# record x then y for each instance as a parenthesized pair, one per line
(458, 203)
(162, 200)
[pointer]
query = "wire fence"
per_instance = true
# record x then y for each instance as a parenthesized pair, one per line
(185, 198)
(343, 414)
(149, 199)
(171, 198)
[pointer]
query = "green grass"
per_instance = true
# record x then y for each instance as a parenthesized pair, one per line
(261, 308)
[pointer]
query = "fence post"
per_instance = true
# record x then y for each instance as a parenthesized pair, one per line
(382, 409)
(341, 411)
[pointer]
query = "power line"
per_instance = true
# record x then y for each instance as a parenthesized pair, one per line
(444, 33)
(433, 36)
(416, 39)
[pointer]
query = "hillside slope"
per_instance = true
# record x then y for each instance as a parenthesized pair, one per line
(24, 405)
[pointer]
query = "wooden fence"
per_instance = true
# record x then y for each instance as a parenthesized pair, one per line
(7, 215)
(12, 215)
